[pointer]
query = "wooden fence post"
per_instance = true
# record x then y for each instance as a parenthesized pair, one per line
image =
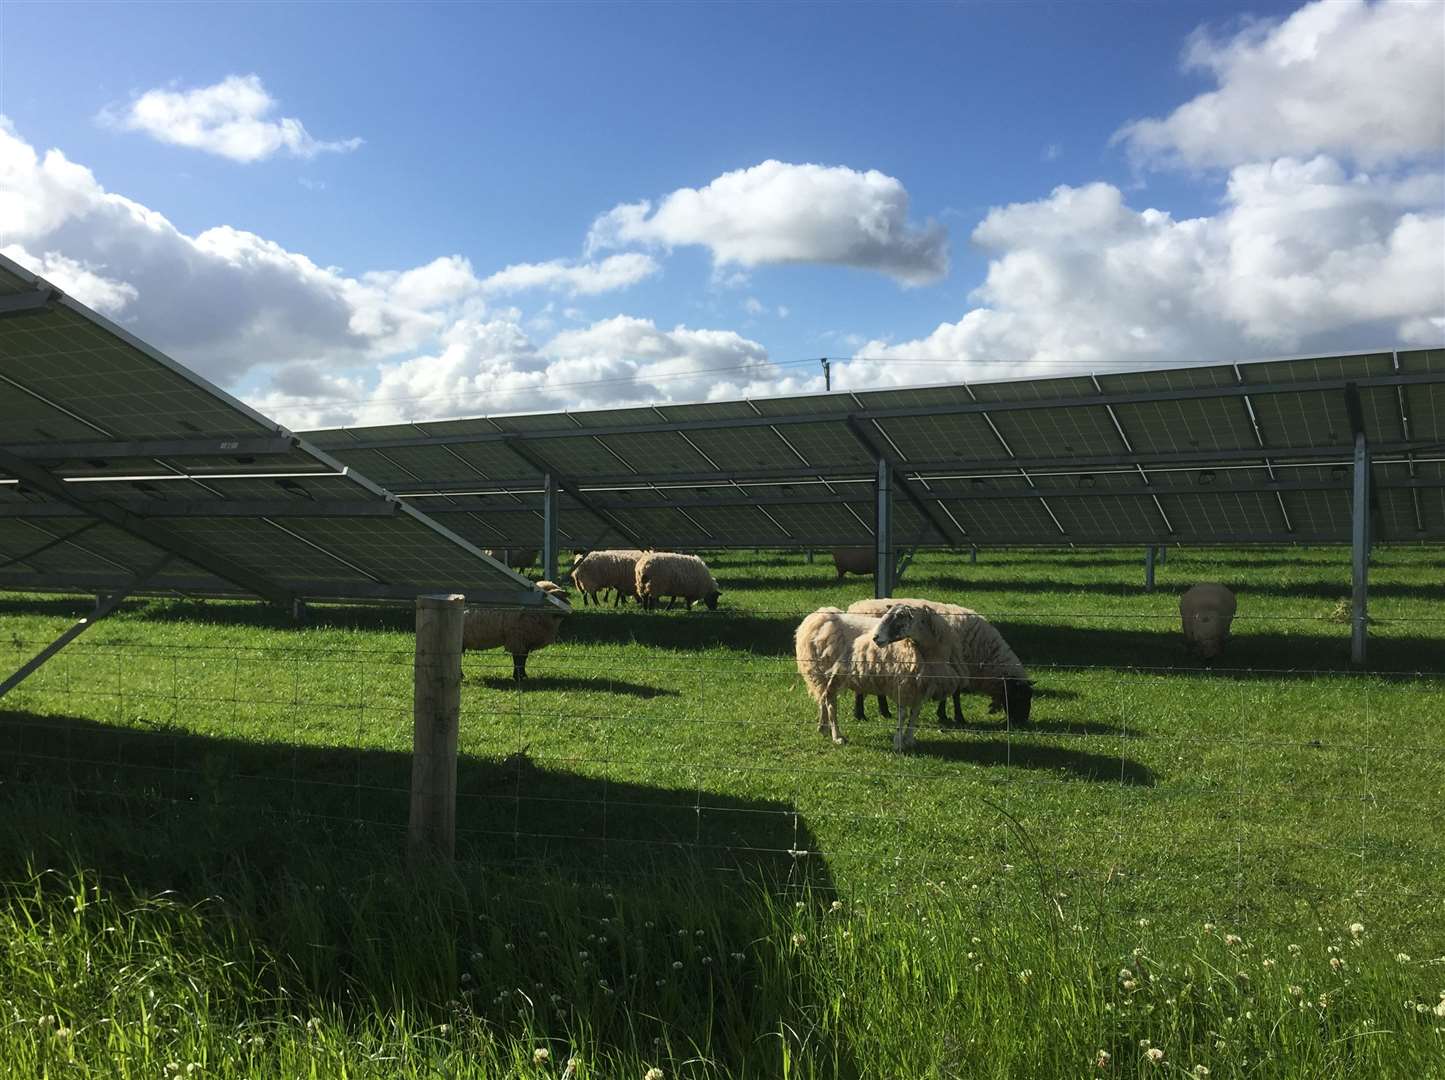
(436, 705)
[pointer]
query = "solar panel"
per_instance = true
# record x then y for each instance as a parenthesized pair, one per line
(1221, 453)
(114, 456)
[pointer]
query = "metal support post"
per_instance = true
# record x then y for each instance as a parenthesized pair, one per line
(1163, 554)
(104, 605)
(972, 555)
(883, 533)
(1360, 549)
(549, 527)
(808, 556)
(1149, 568)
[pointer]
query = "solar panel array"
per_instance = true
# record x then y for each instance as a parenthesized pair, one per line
(1216, 454)
(113, 456)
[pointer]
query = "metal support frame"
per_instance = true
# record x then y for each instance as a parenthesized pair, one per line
(973, 555)
(104, 605)
(240, 447)
(919, 503)
(547, 470)
(883, 533)
(42, 480)
(1149, 553)
(549, 527)
(1360, 549)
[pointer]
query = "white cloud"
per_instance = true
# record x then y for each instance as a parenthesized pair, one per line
(585, 279)
(778, 213)
(753, 306)
(222, 301)
(229, 118)
(1355, 80)
(1303, 256)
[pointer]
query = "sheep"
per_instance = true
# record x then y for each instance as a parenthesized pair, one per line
(519, 632)
(678, 577)
(598, 571)
(981, 660)
(516, 558)
(1206, 612)
(899, 655)
(854, 560)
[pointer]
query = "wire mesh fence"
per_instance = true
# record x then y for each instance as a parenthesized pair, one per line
(1131, 782)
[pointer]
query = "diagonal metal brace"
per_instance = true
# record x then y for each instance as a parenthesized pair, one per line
(904, 484)
(543, 466)
(109, 604)
(42, 480)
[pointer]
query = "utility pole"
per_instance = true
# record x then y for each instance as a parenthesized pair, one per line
(827, 374)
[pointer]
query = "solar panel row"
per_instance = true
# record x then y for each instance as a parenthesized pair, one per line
(112, 456)
(1247, 453)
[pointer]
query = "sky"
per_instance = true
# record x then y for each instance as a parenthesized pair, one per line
(370, 213)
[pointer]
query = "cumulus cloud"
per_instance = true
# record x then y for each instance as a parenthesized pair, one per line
(231, 118)
(1355, 80)
(224, 300)
(584, 279)
(1303, 255)
(778, 213)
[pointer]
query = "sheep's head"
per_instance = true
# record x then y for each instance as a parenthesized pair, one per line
(711, 600)
(1014, 698)
(1211, 632)
(902, 621)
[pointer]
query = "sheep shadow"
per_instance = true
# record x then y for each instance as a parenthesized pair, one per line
(1015, 754)
(1044, 727)
(602, 684)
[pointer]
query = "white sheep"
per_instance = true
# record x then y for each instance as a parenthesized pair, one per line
(516, 558)
(981, 662)
(854, 560)
(518, 631)
(898, 656)
(678, 577)
(597, 571)
(1206, 611)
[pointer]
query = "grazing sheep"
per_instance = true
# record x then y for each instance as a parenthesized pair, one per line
(519, 632)
(1206, 612)
(854, 560)
(678, 577)
(898, 656)
(516, 558)
(598, 571)
(981, 663)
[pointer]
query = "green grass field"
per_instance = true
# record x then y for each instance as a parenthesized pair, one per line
(204, 811)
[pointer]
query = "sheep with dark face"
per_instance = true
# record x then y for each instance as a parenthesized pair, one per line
(856, 560)
(1207, 612)
(519, 631)
(612, 568)
(900, 656)
(980, 661)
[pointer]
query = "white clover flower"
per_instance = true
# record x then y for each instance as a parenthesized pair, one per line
(1336, 963)
(46, 1021)
(739, 957)
(466, 977)
(192, 1068)
(800, 939)
(541, 1056)
(172, 1067)
(660, 983)
(648, 925)
(1143, 923)
(836, 905)
(1129, 984)
(1233, 939)
(1294, 950)
(1025, 975)
(799, 906)
(1201, 1070)
(682, 933)
(707, 960)
(1242, 976)
(1267, 963)
(1154, 1055)
(677, 965)
(1332, 949)
(1102, 1059)
(582, 954)
(1440, 1009)
(445, 1029)
(1144, 1044)
(653, 1073)
(1403, 958)
(1209, 928)
(1126, 973)
(1357, 929)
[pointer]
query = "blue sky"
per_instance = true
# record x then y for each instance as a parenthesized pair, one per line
(500, 135)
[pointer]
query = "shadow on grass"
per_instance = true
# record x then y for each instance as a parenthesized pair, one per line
(600, 684)
(1047, 727)
(306, 846)
(1013, 754)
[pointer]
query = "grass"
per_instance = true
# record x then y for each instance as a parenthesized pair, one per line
(205, 803)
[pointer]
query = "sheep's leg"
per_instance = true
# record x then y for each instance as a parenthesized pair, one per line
(903, 734)
(958, 708)
(858, 713)
(883, 708)
(519, 667)
(671, 602)
(943, 712)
